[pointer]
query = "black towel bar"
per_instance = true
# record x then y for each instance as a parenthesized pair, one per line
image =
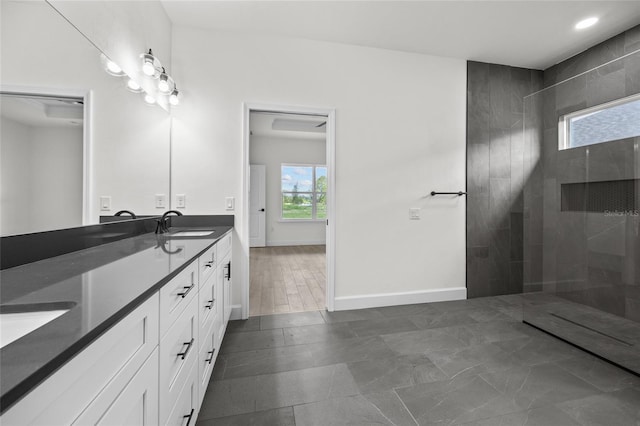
(459, 193)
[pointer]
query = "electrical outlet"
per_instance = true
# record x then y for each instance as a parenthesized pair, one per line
(414, 214)
(230, 203)
(105, 203)
(161, 201)
(181, 201)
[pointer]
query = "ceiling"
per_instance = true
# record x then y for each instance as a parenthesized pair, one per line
(42, 112)
(261, 124)
(531, 34)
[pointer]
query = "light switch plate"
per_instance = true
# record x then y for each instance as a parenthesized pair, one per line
(230, 203)
(414, 214)
(181, 201)
(105, 203)
(161, 201)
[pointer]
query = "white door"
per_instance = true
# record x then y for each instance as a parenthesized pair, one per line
(257, 214)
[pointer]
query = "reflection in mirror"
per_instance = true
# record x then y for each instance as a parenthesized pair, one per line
(41, 142)
(126, 142)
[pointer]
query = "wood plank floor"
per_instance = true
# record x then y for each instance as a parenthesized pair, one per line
(287, 279)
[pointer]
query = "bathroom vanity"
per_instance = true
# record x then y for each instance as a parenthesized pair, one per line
(129, 331)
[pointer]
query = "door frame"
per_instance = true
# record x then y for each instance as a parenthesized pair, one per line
(330, 113)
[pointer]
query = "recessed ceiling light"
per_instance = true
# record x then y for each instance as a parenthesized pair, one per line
(586, 23)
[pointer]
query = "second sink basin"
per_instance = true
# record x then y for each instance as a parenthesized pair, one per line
(191, 233)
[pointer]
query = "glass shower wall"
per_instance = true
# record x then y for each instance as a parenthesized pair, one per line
(582, 212)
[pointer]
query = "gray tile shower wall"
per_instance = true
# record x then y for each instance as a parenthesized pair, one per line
(496, 176)
(589, 257)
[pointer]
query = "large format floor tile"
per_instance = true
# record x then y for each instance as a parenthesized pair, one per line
(451, 363)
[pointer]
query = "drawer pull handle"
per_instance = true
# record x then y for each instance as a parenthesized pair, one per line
(184, 354)
(209, 264)
(188, 289)
(210, 359)
(210, 304)
(189, 416)
(228, 274)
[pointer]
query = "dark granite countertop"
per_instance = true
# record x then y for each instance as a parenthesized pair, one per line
(99, 293)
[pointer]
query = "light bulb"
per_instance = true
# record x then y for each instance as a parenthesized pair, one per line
(163, 84)
(148, 68)
(586, 23)
(113, 67)
(173, 98)
(133, 86)
(149, 99)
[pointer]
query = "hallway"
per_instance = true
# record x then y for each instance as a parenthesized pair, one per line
(287, 279)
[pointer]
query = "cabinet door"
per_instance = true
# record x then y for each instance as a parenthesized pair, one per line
(185, 410)
(227, 289)
(207, 305)
(178, 353)
(136, 405)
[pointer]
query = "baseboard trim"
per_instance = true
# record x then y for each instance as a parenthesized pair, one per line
(393, 299)
(236, 312)
(295, 243)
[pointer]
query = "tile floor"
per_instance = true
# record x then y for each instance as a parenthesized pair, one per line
(466, 362)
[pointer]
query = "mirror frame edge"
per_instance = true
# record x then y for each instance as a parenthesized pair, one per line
(87, 99)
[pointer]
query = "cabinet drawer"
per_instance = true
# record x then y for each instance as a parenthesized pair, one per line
(178, 353)
(185, 410)
(136, 405)
(224, 245)
(98, 373)
(206, 360)
(207, 263)
(208, 303)
(176, 295)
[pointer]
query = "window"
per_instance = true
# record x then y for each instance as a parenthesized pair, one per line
(304, 192)
(612, 121)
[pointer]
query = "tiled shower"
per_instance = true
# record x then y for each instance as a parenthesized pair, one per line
(554, 218)
(581, 206)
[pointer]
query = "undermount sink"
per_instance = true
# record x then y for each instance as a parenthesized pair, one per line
(17, 321)
(191, 233)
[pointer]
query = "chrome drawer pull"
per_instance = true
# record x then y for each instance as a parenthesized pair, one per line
(210, 303)
(210, 359)
(189, 416)
(209, 264)
(189, 344)
(188, 289)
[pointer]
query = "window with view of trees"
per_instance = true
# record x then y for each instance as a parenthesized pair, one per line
(304, 192)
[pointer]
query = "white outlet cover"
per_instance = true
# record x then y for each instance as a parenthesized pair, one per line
(414, 213)
(230, 203)
(161, 201)
(105, 203)
(181, 201)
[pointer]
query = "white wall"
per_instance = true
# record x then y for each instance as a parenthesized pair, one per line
(56, 178)
(272, 152)
(129, 142)
(400, 133)
(15, 177)
(41, 181)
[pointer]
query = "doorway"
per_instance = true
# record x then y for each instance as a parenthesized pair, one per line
(288, 210)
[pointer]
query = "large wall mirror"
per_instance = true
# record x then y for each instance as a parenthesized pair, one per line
(71, 133)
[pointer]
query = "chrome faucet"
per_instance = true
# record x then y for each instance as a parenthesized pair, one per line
(129, 212)
(161, 226)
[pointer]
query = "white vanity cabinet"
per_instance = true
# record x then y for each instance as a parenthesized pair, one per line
(153, 366)
(87, 389)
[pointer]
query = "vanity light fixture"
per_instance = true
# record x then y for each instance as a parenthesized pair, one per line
(111, 67)
(586, 23)
(165, 82)
(150, 65)
(150, 100)
(174, 100)
(134, 87)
